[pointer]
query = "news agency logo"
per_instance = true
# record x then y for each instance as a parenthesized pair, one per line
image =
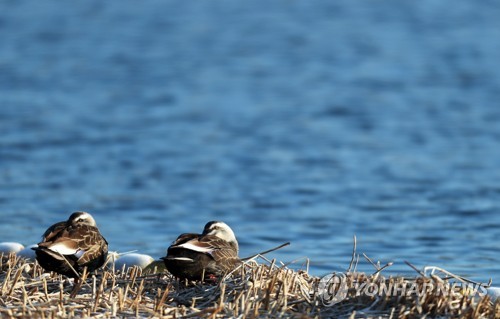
(332, 289)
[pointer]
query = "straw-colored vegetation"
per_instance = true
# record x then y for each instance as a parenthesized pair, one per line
(264, 289)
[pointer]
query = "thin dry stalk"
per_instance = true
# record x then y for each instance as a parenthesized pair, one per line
(259, 288)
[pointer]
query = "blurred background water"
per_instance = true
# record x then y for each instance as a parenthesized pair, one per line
(297, 121)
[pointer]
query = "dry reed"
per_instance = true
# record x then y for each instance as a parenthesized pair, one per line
(254, 290)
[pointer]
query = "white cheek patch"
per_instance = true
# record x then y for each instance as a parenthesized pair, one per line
(196, 248)
(62, 249)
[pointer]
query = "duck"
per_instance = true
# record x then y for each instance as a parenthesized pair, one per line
(208, 255)
(68, 247)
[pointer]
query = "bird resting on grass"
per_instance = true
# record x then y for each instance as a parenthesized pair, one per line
(208, 255)
(68, 247)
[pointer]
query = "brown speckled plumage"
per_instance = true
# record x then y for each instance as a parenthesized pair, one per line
(199, 256)
(81, 238)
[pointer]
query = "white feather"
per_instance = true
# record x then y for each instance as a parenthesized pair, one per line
(190, 246)
(62, 249)
(181, 258)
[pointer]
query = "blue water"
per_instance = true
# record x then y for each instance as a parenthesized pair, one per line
(297, 121)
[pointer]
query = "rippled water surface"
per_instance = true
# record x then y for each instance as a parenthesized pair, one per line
(297, 121)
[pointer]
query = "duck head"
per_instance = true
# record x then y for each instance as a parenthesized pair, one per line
(221, 230)
(81, 218)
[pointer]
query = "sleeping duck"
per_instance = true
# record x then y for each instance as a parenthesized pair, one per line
(70, 246)
(210, 254)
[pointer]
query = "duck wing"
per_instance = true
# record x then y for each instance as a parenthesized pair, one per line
(84, 242)
(201, 244)
(184, 238)
(223, 253)
(194, 256)
(220, 250)
(91, 243)
(53, 231)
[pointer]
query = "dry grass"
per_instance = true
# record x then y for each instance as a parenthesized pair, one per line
(253, 291)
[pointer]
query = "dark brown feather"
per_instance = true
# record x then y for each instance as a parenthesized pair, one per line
(53, 230)
(220, 258)
(91, 247)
